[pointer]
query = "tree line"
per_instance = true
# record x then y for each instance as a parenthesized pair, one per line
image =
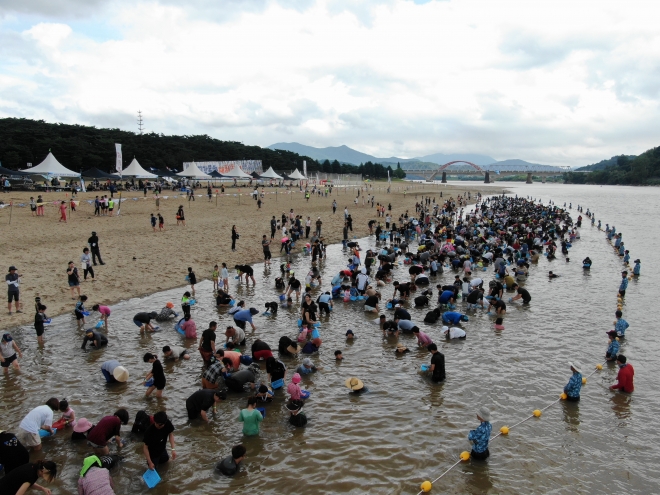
(642, 170)
(80, 147)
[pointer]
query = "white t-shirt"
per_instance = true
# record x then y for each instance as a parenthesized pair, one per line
(38, 417)
(362, 280)
(7, 349)
(177, 350)
(239, 336)
(475, 282)
(456, 333)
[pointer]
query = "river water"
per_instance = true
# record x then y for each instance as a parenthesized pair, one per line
(406, 429)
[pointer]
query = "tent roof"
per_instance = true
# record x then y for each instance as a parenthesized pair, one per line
(136, 170)
(193, 172)
(50, 166)
(255, 175)
(10, 173)
(237, 173)
(95, 173)
(296, 175)
(270, 174)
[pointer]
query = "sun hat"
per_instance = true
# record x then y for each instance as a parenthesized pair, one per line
(576, 366)
(293, 406)
(484, 413)
(295, 378)
(612, 333)
(293, 349)
(170, 304)
(254, 311)
(400, 347)
(349, 332)
(445, 329)
(354, 383)
(82, 425)
(12, 267)
(307, 362)
(120, 373)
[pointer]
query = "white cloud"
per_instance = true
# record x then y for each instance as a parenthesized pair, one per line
(545, 81)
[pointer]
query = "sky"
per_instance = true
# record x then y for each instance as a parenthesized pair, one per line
(555, 82)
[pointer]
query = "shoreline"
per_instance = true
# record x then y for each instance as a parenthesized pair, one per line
(139, 262)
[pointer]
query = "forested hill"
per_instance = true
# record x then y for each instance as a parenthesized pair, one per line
(624, 169)
(78, 147)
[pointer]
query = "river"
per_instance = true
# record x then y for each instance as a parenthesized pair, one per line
(405, 430)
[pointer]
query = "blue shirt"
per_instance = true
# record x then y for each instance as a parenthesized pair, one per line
(637, 268)
(621, 326)
(624, 284)
(445, 296)
(324, 298)
(453, 317)
(574, 385)
(480, 437)
(243, 315)
(613, 348)
(626, 258)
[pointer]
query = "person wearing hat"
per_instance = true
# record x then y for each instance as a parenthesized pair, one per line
(97, 339)
(166, 313)
(13, 293)
(574, 385)
(454, 317)
(93, 242)
(114, 372)
(624, 379)
(94, 478)
(8, 351)
(307, 367)
(296, 415)
(143, 320)
(401, 349)
(481, 435)
(12, 452)
(437, 368)
(356, 386)
(637, 268)
(245, 316)
(81, 429)
(293, 389)
(613, 347)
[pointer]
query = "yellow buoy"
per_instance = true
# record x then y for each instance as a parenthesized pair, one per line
(599, 366)
(426, 486)
(563, 396)
(465, 455)
(584, 381)
(504, 430)
(537, 413)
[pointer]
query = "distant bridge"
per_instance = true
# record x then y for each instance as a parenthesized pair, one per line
(462, 167)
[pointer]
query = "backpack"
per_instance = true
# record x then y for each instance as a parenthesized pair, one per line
(142, 422)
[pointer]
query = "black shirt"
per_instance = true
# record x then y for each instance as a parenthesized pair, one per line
(12, 482)
(438, 360)
(227, 466)
(208, 336)
(401, 314)
(192, 278)
(73, 276)
(371, 301)
(201, 400)
(12, 452)
(525, 294)
(156, 439)
(142, 317)
(474, 296)
(158, 373)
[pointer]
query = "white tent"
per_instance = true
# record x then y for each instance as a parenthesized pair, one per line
(50, 166)
(194, 172)
(270, 174)
(136, 170)
(236, 173)
(297, 175)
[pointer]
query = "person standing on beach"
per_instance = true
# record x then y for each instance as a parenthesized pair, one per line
(161, 222)
(74, 279)
(273, 227)
(63, 211)
(180, 217)
(86, 261)
(334, 206)
(93, 242)
(234, 237)
(13, 293)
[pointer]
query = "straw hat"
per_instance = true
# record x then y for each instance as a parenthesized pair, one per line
(120, 373)
(82, 425)
(293, 350)
(401, 348)
(354, 383)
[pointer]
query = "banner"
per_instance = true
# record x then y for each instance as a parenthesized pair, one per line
(247, 166)
(119, 165)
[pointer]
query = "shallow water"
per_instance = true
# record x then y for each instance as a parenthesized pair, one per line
(405, 430)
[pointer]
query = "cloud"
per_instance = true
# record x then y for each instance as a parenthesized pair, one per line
(539, 80)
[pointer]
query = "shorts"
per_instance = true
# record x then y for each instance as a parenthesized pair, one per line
(369, 308)
(480, 456)
(40, 331)
(573, 399)
(12, 296)
(262, 355)
(79, 316)
(139, 323)
(74, 284)
(267, 255)
(159, 385)
(28, 439)
(184, 353)
(8, 361)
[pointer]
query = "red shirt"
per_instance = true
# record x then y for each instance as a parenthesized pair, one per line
(625, 378)
(107, 428)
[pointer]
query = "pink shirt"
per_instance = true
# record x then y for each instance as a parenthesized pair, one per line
(423, 338)
(189, 328)
(294, 391)
(104, 310)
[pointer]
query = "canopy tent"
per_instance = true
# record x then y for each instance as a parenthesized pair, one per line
(193, 172)
(12, 173)
(136, 170)
(255, 175)
(236, 173)
(216, 175)
(95, 173)
(270, 174)
(50, 166)
(296, 175)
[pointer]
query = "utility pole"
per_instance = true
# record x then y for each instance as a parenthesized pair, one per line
(140, 122)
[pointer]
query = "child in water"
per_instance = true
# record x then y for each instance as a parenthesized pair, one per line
(215, 276)
(68, 414)
(499, 324)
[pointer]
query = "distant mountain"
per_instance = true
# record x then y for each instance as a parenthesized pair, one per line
(605, 163)
(344, 154)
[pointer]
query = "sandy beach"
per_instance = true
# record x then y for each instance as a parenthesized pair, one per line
(139, 261)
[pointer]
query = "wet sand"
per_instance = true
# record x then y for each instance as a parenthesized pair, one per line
(139, 261)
